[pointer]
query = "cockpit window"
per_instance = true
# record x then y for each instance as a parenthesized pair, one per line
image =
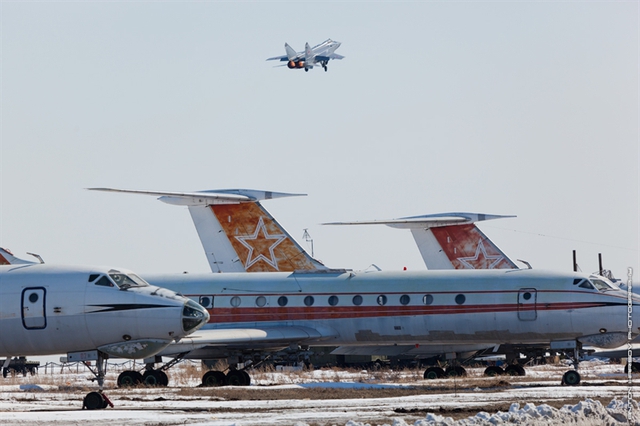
(586, 284)
(104, 281)
(125, 281)
(601, 285)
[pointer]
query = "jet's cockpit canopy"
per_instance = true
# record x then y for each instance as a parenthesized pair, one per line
(595, 283)
(118, 279)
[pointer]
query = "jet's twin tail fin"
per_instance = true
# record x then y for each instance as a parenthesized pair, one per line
(450, 240)
(291, 54)
(237, 233)
(308, 53)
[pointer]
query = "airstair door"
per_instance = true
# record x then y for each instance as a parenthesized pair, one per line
(33, 308)
(527, 298)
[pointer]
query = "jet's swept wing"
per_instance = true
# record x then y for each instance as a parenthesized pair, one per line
(237, 233)
(450, 240)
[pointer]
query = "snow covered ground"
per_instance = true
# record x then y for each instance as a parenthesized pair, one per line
(328, 397)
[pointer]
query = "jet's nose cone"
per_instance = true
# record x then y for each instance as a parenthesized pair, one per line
(194, 316)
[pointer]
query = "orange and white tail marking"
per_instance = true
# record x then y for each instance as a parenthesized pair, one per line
(450, 240)
(261, 244)
(467, 247)
(237, 233)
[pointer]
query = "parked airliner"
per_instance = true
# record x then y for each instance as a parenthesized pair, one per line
(417, 313)
(90, 313)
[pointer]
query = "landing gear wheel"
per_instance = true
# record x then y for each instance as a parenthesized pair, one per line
(635, 367)
(306, 70)
(514, 370)
(129, 378)
(94, 401)
(571, 378)
(455, 371)
(213, 379)
(434, 373)
(164, 379)
(247, 378)
(237, 378)
(155, 378)
(493, 371)
(325, 68)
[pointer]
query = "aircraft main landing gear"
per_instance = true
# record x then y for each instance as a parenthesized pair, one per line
(232, 378)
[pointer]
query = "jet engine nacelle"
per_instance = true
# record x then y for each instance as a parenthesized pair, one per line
(293, 64)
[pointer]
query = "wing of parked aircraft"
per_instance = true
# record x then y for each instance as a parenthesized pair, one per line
(450, 240)
(245, 338)
(237, 233)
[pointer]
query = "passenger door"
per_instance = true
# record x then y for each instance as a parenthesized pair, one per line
(527, 298)
(33, 308)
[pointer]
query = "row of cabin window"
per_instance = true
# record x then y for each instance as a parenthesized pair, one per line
(357, 300)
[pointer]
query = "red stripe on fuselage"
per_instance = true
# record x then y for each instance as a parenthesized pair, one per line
(254, 314)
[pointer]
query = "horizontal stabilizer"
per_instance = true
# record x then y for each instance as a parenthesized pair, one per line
(206, 198)
(428, 220)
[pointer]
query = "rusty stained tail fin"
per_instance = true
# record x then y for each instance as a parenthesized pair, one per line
(245, 237)
(450, 240)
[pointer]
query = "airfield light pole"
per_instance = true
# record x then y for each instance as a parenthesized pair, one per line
(629, 346)
(307, 237)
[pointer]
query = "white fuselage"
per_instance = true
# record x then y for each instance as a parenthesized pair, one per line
(439, 308)
(50, 310)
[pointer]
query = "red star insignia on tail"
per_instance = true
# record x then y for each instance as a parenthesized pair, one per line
(261, 246)
(478, 261)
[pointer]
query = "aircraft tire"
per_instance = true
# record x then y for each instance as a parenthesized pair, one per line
(247, 377)
(213, 379)
(455, 371)
(635, 367)
(155, 378)
(5, 372)
(164, 379)
(129, 378)
(514, 370)
(237, 378)
(571, 378)
(434, 373)
(94, 401)
(493, 370)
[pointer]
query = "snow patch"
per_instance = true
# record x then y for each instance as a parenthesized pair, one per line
(585, 413)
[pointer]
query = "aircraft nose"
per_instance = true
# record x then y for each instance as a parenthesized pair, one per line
(194, 316)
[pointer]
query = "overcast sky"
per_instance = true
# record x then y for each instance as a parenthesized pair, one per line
(525, 108)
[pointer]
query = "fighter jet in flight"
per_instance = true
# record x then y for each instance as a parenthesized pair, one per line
(311, 56)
